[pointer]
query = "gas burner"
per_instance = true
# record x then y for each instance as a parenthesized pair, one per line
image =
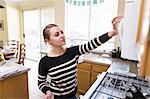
(117, 82)
(118, 86)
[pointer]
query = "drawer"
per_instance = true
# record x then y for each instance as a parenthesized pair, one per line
(85, 66)
(99, 68)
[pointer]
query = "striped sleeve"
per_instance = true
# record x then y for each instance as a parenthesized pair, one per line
(42, 75)
(94, 43)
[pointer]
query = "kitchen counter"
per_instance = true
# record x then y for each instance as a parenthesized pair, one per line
(9, 69)
(106, 60)
(117, 66)
(13, 81)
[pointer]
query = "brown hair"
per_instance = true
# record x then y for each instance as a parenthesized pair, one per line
(46, 31)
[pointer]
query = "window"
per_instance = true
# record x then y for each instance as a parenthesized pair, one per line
(47, 16)
(84, 21)
(34, 23)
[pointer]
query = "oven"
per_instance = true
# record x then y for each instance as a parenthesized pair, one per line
(118, 86)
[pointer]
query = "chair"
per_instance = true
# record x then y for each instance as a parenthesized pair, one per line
(13, 46)
(2, 57)
(21, 55)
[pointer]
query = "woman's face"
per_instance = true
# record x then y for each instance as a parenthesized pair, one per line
(57, 37)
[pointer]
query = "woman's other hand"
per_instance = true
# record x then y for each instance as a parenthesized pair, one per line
(115, 21)
(49, 95)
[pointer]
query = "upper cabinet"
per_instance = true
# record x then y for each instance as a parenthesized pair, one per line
(128, 29)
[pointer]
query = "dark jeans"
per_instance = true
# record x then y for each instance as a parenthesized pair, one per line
(73, 97)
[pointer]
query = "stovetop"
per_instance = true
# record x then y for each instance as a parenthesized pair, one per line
(121, 86)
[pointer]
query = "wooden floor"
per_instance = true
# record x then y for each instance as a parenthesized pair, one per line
(34, 92)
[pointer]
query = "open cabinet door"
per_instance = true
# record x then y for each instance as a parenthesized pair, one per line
(129, 30)
(143, 38)
(145, 59)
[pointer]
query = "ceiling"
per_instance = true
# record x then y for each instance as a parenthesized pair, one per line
(27, 2)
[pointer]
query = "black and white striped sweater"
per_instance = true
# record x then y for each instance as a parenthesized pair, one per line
(62, 70)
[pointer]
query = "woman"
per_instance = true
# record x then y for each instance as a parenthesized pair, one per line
(60, 64)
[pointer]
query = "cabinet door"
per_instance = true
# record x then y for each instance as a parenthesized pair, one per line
(85, 66)
(83, 80)
(93, 77)
(96, 69)
(99, 68)
(15, 87)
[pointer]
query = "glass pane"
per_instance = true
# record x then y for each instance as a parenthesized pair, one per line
(83, 23)
(32, 34)
(101, 16)
(34, 23)
(47, 17)
(77, 21)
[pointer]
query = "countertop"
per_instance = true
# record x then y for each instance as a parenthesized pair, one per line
(116, 64)
(99, 59)
(9, 69)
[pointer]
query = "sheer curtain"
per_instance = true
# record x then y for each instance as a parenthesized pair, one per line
(84, 22)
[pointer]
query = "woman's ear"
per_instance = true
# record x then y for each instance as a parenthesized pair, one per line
(49, 41)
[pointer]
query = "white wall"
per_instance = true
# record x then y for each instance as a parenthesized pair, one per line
(3, 33)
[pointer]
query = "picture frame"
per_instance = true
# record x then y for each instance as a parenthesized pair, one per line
(1, 25)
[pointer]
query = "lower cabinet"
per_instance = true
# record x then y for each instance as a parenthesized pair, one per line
(96, 69)
(15, 87)
(87, 74)
(84, 77)
(83, 80)
(93, 77)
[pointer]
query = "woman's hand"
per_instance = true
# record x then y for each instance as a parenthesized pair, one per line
(115, 21)
(49, 95)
